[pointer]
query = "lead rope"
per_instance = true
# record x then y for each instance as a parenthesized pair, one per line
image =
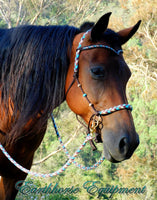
(78, 151)
(65, 166)
(71, 158)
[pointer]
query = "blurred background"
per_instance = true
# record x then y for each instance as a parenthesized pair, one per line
(141, 55)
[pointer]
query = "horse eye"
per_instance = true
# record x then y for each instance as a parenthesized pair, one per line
(97, 72)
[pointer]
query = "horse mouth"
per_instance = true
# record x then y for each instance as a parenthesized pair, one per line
(108, 155)
(110, 158)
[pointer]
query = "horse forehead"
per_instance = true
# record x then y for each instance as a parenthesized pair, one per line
(106, 57)
(111, 37)
(112, 63)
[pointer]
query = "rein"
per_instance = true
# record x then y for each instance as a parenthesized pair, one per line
(96, 122)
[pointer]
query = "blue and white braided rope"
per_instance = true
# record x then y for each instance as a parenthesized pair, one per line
(76, 65)
(78, 151)
(62, 169)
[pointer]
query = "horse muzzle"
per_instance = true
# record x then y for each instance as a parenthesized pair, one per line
(119, 146)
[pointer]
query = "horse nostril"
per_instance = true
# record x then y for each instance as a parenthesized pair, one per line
(123, 145)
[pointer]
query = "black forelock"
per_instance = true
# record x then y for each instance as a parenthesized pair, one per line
(86, 26)
(108, 36)
(111, 37)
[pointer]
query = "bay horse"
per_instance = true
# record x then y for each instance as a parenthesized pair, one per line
(37, 75)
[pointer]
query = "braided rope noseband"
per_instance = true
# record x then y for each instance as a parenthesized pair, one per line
(89, 137)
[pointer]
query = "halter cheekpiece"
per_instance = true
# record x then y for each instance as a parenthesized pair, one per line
(76, 68)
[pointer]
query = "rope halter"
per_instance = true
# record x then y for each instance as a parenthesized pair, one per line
(76, 77)
(89, 137)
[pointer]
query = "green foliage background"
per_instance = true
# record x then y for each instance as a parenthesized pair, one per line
(141, 55)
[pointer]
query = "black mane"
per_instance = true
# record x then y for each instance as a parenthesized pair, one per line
(34, 61)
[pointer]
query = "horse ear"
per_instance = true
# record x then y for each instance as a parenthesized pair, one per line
(100, 27)
(127, 33)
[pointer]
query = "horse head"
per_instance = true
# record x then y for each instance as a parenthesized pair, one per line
(102, 75)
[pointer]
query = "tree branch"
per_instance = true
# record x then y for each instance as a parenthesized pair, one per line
(19, 12)
(59, 149)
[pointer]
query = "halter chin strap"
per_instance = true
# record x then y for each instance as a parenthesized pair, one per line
(76, 68)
